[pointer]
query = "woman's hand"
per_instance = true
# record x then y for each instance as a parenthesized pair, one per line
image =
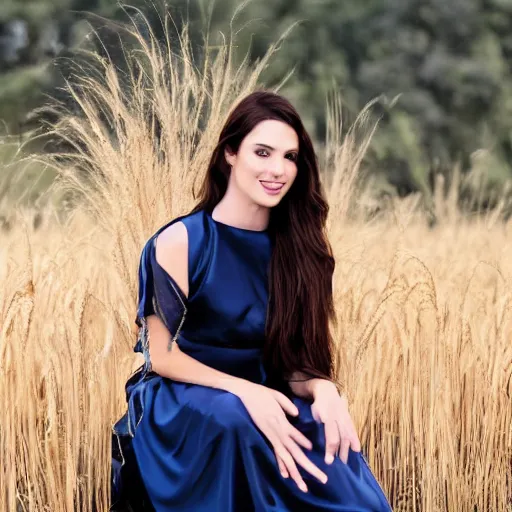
(331, 409)
(267, 409)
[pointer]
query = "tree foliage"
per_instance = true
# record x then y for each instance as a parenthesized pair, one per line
(441, 69)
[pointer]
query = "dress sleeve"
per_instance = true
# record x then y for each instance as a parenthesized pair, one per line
(159, 295)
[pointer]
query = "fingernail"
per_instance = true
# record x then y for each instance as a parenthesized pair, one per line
(284, 475)
(303, 487)
(324, 480)
(329, 459)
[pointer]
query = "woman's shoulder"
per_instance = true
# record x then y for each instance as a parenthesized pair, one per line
(179, 229)
(186, 238)
(174, 235)
(175, 231)
(179, 226)
(171, 254)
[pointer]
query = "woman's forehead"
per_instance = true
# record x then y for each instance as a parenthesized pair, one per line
(274, 134)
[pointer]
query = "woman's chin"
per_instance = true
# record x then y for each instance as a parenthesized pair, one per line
(269, 203)
(268, 200)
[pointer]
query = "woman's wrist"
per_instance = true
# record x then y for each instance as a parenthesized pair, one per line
(317, 386)
(235, 385)
(304, 387)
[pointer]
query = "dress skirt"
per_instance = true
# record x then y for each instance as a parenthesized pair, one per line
(197, 449)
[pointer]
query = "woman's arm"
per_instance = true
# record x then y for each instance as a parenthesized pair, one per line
(172, 256)
(176, 365)
(303, 385)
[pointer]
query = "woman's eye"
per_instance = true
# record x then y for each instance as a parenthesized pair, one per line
(260, 151)
(292, 157)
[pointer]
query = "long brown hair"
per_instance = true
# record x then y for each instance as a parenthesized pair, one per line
(300, 306)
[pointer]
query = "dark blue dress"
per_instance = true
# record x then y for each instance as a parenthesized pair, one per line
(183, 447)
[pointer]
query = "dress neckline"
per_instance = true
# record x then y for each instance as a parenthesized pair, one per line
(236, 228)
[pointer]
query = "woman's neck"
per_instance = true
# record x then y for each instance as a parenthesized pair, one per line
(241, 213)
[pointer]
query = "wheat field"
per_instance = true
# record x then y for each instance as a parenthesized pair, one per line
(425, 313)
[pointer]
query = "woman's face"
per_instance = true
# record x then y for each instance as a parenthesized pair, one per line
(266, 163)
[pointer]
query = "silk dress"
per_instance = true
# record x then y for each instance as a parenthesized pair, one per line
(183, 447)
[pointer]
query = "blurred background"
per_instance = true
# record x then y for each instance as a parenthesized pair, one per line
(441, 71)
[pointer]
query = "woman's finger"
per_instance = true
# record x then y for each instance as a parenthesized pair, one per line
(354, 438)
(299, 437)
(287, 405)
(332, 440)
(345, 440)
(344, 449)
(347, 429)
(282, 466)
(301, 459)
(291, 467)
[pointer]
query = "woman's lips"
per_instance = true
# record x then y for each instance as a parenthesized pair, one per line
(272, 188)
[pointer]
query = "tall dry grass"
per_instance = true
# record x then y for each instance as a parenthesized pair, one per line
(425, 314)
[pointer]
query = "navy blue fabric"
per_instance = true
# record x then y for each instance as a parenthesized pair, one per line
(194, 448)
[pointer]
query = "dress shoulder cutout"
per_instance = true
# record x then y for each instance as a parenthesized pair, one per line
(199, 246)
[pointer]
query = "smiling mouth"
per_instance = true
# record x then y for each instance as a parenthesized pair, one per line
(273, 186)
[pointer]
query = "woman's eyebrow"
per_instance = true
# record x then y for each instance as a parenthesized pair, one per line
(271, 148)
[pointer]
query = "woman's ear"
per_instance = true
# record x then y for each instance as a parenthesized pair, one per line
(229, 156)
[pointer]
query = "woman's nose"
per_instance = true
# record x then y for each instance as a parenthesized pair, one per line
(277, 167)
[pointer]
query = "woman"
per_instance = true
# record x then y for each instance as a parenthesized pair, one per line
(235, 408)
